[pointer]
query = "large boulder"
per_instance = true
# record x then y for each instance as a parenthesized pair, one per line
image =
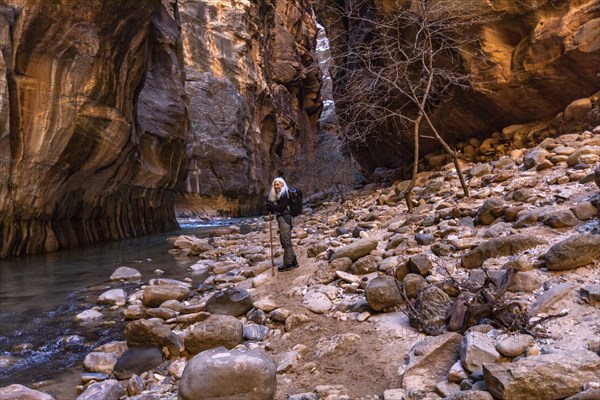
(229, 375)
(20, 392)
(355, 250)
(573, 252)
(545, 377)
(217, 330)
(137, 360)
(152, 332)
(231, 301)
(383, 292)
(155, 295)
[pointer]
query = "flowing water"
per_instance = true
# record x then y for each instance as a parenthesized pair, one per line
(40, 295)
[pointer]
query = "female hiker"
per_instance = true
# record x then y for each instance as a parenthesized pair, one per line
(278, 204)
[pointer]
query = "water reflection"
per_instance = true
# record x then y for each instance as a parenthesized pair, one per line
(40, 295)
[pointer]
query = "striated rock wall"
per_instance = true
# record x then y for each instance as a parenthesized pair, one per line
(253, 85)
(533, 58)
(93, 121)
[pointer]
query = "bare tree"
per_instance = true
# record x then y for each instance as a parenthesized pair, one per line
(401, 62)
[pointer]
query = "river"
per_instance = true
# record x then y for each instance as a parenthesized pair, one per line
(40, 295)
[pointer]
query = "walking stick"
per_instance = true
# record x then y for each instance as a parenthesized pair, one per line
(271, 239)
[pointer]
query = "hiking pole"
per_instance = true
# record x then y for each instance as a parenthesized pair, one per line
(271, 241)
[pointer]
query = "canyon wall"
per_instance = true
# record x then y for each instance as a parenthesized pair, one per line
(253, 84)
(93, 121)
(110, 112)
(528, 61)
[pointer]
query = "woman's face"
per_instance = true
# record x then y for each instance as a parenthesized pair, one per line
(277, 186)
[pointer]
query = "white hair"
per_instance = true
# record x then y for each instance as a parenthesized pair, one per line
(273, 195)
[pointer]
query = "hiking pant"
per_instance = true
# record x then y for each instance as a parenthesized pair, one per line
(285, 237)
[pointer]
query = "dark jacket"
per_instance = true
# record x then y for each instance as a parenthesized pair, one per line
(280, 207)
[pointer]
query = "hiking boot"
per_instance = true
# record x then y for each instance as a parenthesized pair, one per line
(289, 267)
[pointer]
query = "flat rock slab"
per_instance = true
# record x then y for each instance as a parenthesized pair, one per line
(545, 377)
(498, 247)
(430, 361)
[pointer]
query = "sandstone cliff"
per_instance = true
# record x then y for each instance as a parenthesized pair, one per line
(530, 59)
(253, 83)
(93, 121)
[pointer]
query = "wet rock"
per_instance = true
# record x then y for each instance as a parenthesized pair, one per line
(232, 301)
(573, 252)
(229, 375)
(88, 315)
(514, 345)
(548, 376)
(20, 392)
(137, 360)
(382, 292)
(106, 390)
(126, 274)
(355, 250)
(152, 332)
(155, 295)
(100, 362)
(502, 246)
(218, 330)
(430, 360)
(162, 313)
(476, 349)
(134, 311)
(87, 377)
(111, 297)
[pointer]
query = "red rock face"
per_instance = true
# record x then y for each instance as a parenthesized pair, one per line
(533, 59)
(253, 84)
(93, 122)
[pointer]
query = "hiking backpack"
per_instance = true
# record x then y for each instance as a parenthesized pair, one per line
(295, 201)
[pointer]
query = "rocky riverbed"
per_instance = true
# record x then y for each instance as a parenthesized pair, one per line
(494, 295)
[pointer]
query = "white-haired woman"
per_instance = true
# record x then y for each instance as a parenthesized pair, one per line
(278, 204)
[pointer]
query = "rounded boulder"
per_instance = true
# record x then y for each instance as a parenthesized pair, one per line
(229, 375)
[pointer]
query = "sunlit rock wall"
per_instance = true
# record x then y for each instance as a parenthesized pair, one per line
(534, 58)
(253, 85)
(93, 121)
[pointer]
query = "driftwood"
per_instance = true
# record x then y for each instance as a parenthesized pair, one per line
(474, 305)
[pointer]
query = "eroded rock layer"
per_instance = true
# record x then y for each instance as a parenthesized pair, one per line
(253, 85)
(93, 121)
(531, 59)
